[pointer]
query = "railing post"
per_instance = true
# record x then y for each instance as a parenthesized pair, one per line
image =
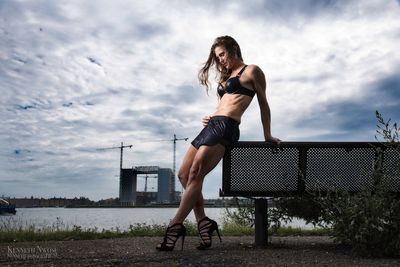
(261, 222)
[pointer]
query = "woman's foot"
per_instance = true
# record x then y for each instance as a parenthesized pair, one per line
(206, 227)
(172, 234)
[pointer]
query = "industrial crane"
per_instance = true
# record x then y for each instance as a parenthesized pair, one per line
(174, 157)
(174, 153)
(145, 181)
(174, 140)
(120, 163)
(122, 151)
(130, 146)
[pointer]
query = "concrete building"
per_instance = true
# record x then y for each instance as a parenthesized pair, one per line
(128, 194)
(127, 187)
(166, 186)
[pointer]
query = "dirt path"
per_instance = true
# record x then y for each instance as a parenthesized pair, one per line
(140, 251)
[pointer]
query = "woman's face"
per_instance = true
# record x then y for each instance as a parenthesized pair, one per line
(223, 57)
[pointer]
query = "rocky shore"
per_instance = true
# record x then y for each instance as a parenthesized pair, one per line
(140, 251)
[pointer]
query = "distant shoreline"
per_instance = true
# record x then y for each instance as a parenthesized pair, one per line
(84, 202)
(138, 206)
(146, 206)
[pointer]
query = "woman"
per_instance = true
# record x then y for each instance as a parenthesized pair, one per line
(238, 83)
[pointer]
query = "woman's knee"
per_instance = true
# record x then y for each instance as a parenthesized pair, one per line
(183, 178)
(195, 175)
(194, 170)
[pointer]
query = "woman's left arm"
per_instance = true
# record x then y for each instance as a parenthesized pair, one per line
(260, 85)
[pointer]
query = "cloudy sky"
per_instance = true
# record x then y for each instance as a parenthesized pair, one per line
(76, 76)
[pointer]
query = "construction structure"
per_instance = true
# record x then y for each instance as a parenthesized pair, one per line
(127, 187)
(174, 160)
(129, 196)
(166, 186)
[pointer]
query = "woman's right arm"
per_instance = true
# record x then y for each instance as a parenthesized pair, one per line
(260, 85)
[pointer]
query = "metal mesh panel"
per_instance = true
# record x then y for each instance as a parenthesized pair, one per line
(391, 169)
(264, 169)
(260, 169)
(339, 168)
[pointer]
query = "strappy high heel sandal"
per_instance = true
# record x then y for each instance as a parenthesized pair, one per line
(172, 234)
(206, 227)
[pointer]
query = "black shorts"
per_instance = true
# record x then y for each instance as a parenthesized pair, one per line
(220, 130)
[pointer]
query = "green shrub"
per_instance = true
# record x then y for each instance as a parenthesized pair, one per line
(369, 221)
(242, 216)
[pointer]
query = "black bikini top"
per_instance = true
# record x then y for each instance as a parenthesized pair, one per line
(233, 86)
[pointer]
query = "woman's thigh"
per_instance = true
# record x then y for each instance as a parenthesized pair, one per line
(187, 164)
(206, 158)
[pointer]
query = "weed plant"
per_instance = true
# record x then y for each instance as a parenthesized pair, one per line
(369, 221)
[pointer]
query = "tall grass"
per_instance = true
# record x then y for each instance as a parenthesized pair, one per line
(12, 230)
(16, 231)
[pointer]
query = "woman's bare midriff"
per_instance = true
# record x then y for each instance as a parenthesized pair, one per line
(233, 106)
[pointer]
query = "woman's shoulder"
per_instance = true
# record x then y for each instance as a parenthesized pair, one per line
(254, 70)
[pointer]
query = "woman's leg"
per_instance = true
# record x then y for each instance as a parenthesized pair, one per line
(183, 176)
(206, 158)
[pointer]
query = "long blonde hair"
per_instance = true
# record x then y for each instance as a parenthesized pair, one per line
(223, 73)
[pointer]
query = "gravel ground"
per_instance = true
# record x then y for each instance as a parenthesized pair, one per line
(140, 251)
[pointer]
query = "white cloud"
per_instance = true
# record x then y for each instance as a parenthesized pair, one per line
(79, 75)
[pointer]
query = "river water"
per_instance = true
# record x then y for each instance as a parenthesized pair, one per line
(106, 218)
